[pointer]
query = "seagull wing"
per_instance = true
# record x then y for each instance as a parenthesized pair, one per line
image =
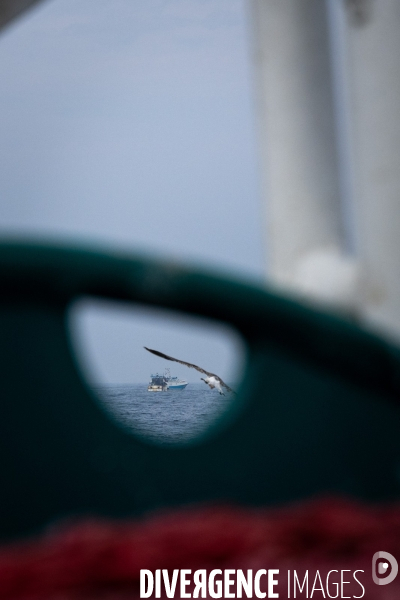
(226, 386)
(190, 365)
(182, 362)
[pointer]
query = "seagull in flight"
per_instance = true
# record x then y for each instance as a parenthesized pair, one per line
(212, 380)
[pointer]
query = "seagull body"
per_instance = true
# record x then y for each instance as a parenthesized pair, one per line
(212, 380)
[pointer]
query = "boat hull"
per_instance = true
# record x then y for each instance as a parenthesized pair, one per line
(180, 386)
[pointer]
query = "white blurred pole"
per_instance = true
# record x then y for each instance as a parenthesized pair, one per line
(329, 127)
(374, 60)
(306, 232)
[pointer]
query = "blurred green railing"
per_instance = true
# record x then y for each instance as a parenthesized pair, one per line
(317, 412)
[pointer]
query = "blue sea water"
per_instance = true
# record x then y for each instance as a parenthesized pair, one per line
(167, 417)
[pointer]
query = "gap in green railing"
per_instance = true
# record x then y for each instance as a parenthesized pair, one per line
(109, 340)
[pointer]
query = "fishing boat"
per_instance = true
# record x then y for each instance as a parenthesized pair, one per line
(165, 382)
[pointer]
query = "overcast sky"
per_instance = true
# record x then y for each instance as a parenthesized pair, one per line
(132, 123)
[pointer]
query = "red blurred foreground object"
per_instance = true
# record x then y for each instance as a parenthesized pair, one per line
(102, 559)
